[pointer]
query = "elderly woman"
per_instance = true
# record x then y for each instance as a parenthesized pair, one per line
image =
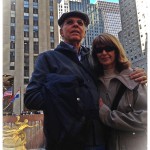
(126, 116)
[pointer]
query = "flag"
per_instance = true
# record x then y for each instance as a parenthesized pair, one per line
(17, 95)
(8, 92)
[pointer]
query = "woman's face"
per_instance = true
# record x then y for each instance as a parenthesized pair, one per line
(106, 57)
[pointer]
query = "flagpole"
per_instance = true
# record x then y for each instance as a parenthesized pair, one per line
(20, 100)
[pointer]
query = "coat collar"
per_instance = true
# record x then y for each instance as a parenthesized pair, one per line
(70, 49)
(124, 78)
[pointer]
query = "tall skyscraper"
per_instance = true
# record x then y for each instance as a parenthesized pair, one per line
(63, 6)
(134, 31)
(96, 25)
(29, 28)
(110, 14)
(104, 17)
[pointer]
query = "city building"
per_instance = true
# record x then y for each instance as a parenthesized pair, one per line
(104, 17)
(134, 31)
(96, 25)
(110, 14)
(62, 7)
(29, 28)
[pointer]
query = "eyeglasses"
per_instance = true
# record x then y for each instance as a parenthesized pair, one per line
(107, 49)
(71, 22)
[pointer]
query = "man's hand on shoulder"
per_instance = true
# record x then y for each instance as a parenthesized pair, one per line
(139, 75)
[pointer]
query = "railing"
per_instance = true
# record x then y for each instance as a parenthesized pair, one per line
(35, 137)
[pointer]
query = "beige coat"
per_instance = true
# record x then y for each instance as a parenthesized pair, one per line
(129, 122)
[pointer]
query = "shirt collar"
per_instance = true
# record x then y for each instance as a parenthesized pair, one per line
(75, 50)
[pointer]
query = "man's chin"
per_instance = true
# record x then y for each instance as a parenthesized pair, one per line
(76, 39)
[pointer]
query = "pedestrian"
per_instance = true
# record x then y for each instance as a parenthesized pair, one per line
(64, 87)
(123, 102)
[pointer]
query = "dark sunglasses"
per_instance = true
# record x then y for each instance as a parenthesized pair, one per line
(71, 22)
(101, 49)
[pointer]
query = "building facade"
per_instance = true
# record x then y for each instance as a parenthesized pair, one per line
(134, 31)
(104, 17)
(28, 29)
(96, 25)
(111, 17)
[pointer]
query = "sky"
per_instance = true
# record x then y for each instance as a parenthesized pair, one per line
(115, 1)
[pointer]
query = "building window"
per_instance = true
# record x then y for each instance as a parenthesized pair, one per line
(26, 28)
(36, 47)
(12, 31)
(35, 5)
(52, 34)
(12, 38)
(35, 34)
(35, 11)
(26, 9)
(51, 23)
(36, 1)
(26, 71)
(26, 81)
(51, 8)
(35, 21)
(13, 5)
(26, 20)
(52, 45)
(12, 19)
(12, 56)
(51, 3)
(51, 17)
(35, 57)
(26, 60)
(26, 3)
(26, 34)
(12, 45)
(51, 13)
(26, 46)
(12, 67)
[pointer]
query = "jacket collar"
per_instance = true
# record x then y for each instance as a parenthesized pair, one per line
(124, 78)
(70, 49)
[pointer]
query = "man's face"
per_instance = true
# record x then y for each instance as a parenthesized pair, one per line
(73, 30)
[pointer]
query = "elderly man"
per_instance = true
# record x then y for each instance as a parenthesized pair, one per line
(64, 87)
